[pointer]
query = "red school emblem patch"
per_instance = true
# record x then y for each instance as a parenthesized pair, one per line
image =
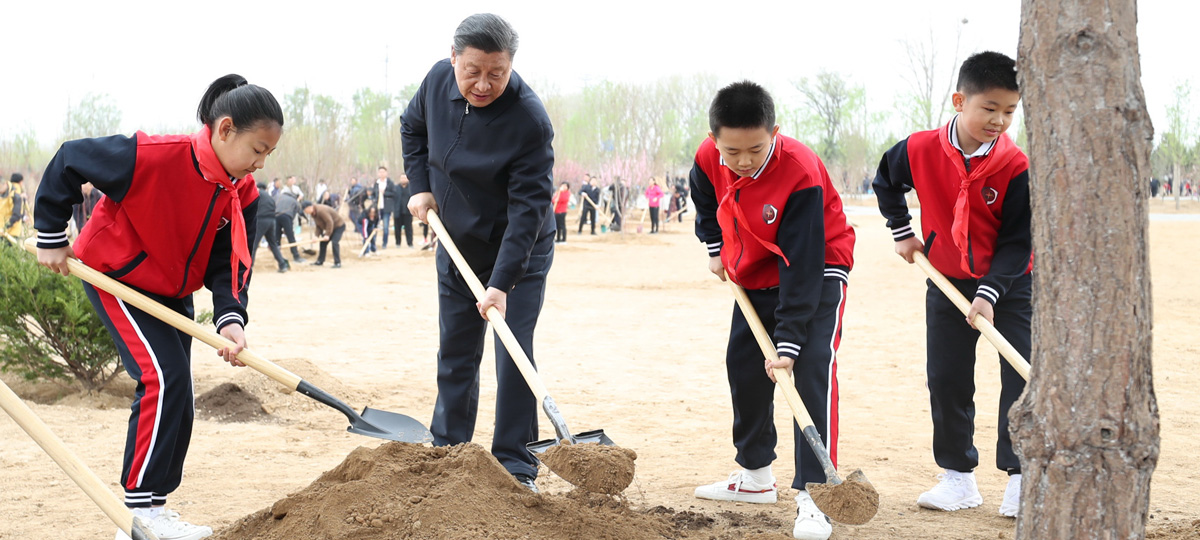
(770, 213)
(990, 195)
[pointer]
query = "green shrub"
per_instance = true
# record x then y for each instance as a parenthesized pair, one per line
(48, 328)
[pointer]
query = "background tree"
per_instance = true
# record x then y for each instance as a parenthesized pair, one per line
(931, 82)
(1176, 152)
(94, 116)
(1087, 426)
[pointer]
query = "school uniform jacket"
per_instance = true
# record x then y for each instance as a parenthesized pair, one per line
(489, 169)
(162, 226)
(782, 227)
(997, 246)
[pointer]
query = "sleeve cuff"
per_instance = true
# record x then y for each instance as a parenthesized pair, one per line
(784, 348)
(228, 319)
(714, 248)
(52, 240)
(503, 281)
(903, 233)
(988, 293)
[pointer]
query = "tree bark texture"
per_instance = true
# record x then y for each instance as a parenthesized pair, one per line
(1087, 426)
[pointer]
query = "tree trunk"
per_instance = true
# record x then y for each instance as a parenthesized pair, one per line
(1087, 426)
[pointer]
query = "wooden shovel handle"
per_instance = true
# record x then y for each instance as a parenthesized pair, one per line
(183, 324)
(70, 463)
(494, 316)
(768, 350)
(986, 328)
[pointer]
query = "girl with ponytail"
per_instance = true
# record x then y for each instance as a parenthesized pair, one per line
(177, 213)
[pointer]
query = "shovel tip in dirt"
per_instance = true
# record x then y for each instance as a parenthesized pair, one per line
(853, 502)
(591, 466)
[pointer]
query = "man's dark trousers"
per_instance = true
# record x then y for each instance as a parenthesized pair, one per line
(461, 351)
(287, 227)
(268, 228)
(404, 219)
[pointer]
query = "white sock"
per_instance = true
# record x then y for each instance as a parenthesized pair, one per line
(146, 513)
(762, 477)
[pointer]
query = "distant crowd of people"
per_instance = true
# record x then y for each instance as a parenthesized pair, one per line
(614, 199)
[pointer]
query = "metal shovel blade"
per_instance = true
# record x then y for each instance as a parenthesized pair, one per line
(595, 436)
(372, 422)
(389, 425)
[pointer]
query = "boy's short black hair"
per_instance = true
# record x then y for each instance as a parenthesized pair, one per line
(985, 71)
(16, 178)
(741, 105)
(304, 205)
(262, 186)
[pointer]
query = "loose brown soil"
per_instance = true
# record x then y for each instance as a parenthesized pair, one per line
(592, 466)
(229, 403)
(853, 502)
(623, 315)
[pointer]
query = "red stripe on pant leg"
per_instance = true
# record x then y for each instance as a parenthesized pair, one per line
(833, 381)
(148, 406)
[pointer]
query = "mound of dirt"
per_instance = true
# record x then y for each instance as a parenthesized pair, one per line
(592, 466)
(228, 402)
(406, 491)
(1176, 531)
(278, 401)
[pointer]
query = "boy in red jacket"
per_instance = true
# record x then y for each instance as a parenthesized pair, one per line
(973, 184)
(774, 224)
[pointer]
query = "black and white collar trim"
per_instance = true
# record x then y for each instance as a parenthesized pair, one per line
(952, 134)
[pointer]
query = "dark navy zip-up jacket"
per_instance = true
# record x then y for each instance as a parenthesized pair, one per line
(489, 169)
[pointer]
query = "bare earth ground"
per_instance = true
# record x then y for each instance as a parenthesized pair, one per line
(631, 340)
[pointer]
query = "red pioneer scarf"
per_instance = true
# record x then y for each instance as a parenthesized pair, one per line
(1000, 155)
(214, 172)
(729, 206)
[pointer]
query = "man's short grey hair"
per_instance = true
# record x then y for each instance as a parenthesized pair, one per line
(486, 32)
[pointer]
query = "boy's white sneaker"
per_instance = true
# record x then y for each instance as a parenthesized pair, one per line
(740, 488)
(811, 523)
(1012, 497)
(955, 491)
(167, 526)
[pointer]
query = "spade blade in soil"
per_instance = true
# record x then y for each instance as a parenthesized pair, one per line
(595, 436)
(391, 426)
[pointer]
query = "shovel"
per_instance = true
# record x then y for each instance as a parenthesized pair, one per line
(372, 422)
(303, 242)
(73, 466)
(367, 243)
(532, 378)
(986, 328)
(854, 501)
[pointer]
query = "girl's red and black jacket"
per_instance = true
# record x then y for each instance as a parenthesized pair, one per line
(162, 226)
(994, 207)
(782, 227)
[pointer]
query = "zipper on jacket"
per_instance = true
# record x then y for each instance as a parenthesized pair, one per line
(457, 136)
(199, 239)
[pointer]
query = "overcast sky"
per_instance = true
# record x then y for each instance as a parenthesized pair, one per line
(156, 58)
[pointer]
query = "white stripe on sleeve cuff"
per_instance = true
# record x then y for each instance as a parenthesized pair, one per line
(790, 349)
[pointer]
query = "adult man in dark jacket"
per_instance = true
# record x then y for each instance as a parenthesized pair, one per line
(268, 228)
(477, 149)
(403, 215)
(385, 200)
(286, 209)
(588, 212)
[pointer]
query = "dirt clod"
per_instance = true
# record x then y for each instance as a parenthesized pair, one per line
(592, 466)
(853, 502)
(229, 402)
